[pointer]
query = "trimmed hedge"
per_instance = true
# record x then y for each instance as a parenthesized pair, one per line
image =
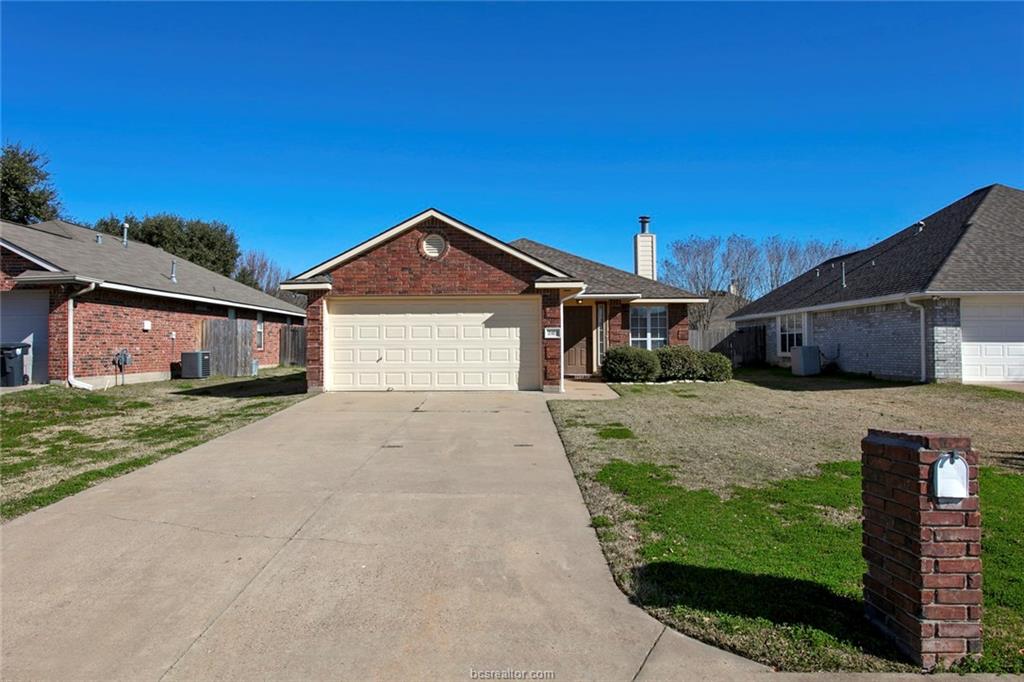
(716, 367)
(668, 363)
(679, 362)
(626, 363)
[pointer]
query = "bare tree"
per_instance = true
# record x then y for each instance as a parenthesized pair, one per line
(696, 265)
(777, 261)
(813, 252)
(742, 262)
(257, 270)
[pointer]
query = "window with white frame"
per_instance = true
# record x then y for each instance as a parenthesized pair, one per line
(648, 326)
(602, 340)
(259, 331)
(791, 332)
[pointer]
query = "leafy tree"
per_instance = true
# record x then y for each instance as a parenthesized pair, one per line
(26, 193)
(211, 244)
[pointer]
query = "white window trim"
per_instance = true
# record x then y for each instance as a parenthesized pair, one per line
(649, 338)
(778, 333)
(260, 332)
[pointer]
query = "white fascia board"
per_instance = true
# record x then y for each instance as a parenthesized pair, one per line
(406, 224)
(30, 256)
(673, 300)
(574, 284)
(198, 299)
(611, 297)
(57, 278)
(307, 286)
(858, 303)
(957, 294)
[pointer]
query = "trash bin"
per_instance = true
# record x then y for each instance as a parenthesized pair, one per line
(12, 363)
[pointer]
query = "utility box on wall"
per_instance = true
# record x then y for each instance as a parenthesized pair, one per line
(806, 360)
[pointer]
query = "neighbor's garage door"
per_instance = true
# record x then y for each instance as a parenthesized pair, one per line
(449, 344)
(993, 338)
(23, 319)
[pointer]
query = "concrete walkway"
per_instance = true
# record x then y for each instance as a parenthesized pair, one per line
(353, 536)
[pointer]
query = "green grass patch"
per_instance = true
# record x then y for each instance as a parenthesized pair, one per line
(600, 521)
(69, 486)
(993, 392)
(615, 431)
(774, 572)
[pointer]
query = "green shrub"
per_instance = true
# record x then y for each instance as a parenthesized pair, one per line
(679, 362)
(626, 363)
(715, 366)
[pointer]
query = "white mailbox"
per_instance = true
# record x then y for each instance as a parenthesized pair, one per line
(949, 477)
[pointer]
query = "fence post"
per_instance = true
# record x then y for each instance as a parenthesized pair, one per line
(923, 583)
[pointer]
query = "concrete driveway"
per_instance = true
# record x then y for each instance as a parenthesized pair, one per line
(353, 536)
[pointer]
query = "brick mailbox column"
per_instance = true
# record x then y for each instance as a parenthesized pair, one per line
(923, 583)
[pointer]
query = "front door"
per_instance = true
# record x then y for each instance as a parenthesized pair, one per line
(577, 339)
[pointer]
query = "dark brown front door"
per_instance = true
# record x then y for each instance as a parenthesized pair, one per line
(577, 339)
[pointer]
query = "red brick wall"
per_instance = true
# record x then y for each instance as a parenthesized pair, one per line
(618, 324)
(58, 332)
(923, 583)
(469, 266)
(315, 341)
(551, 314)
(107, 321)
(12, 265)
(399, 268)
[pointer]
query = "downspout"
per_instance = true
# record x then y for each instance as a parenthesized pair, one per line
(924, 347)
(72, 381)
(561, 337)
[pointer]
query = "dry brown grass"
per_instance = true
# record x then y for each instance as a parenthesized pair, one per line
(53, 435)
(767, 425)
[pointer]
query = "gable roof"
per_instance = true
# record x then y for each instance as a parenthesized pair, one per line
(408, 224)
(976, 244)
(604, 279)
(70, 252)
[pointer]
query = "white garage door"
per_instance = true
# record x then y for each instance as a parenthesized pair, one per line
(993, 338)
(23, 319)
(431, 344)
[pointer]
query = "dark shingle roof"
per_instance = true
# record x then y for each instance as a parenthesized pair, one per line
(974, 244)
(600, 278)
(73, 249)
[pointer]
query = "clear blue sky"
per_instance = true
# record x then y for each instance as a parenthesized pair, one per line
(307, 127)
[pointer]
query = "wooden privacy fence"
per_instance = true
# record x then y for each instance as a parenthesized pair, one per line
(293, 345)
(744, 346)
(230, 343)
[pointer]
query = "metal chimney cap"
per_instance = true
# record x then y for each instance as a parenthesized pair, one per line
(645, 220)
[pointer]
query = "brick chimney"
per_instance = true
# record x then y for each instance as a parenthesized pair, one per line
(645, 251)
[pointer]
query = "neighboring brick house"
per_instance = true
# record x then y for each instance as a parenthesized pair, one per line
(435, 304)
(124, 297)
(942, 300)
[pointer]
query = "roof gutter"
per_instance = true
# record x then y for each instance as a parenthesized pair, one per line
(857, 303)
(72, 381)
(924, 348)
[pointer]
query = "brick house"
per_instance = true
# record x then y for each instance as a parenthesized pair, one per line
(74, 293)
(941, 300)
(435, 304)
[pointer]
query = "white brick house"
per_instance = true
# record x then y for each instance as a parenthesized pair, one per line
(942, 300)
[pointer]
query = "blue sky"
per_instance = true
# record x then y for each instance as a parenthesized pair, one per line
(308, 127)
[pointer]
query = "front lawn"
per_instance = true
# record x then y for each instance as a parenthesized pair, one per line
(732, 513)
(57, 441)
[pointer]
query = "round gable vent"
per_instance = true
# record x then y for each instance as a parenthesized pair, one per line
(434, 245)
